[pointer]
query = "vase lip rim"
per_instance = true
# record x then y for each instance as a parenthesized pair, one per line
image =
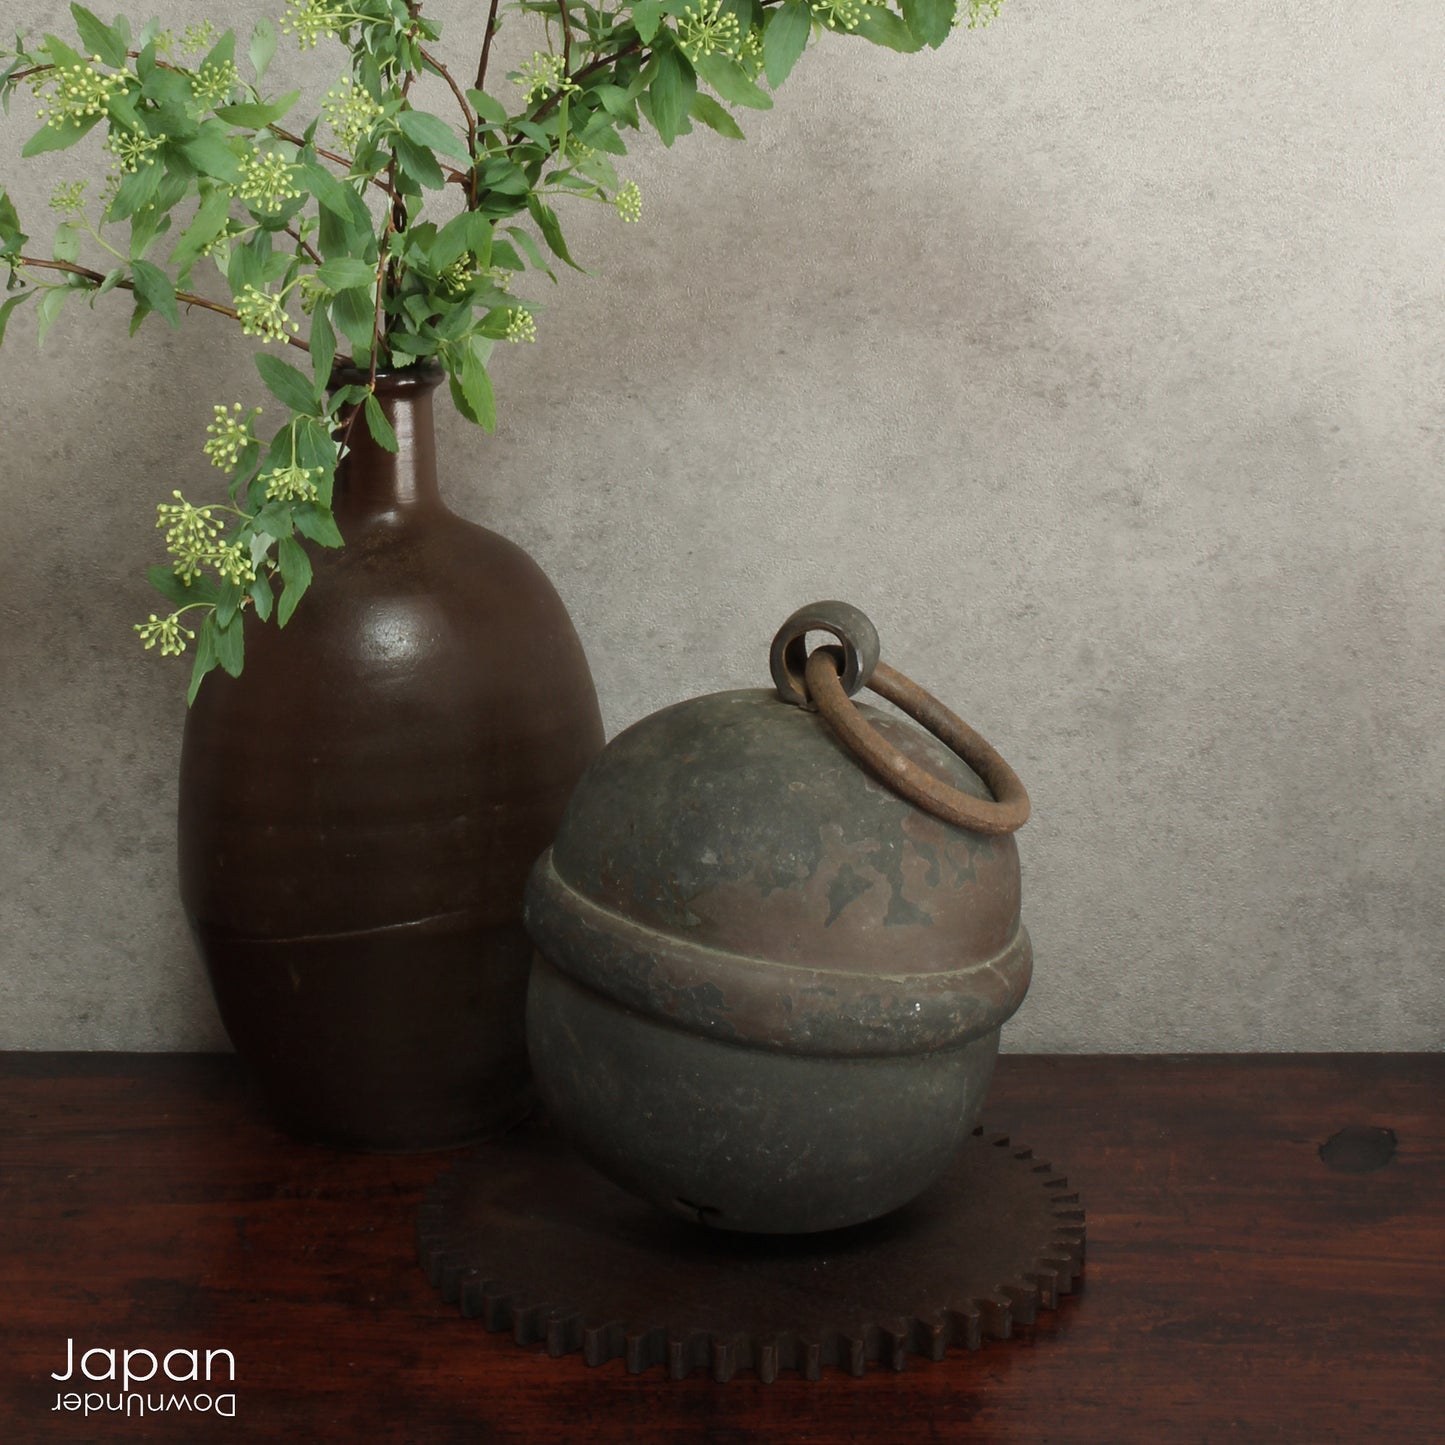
(423, 375)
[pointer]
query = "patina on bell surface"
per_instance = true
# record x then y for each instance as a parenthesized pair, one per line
(770, 989)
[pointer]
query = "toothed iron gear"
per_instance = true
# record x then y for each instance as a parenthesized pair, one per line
(530, 1240)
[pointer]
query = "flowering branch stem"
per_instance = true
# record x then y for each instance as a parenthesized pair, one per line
(456, 90)
(599, 64)
(331, 156)
(566, 37)
(304, 244)
(185, 298)
(41, 69)
(487, 45)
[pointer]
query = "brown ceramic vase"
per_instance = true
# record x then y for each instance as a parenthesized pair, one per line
(360, 808)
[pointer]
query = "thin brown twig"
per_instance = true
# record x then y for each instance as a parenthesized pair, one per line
(185, 298)
(600, 63)
(339, 160)
(487, 46)
(303, 243)
(41, 69)
(462, 101)
(566, 37)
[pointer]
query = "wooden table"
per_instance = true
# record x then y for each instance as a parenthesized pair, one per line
(1237, 1288)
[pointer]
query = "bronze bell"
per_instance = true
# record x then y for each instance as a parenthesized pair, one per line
(778, 934)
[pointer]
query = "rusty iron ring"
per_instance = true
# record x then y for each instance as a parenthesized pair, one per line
(857, 650)
(1007, 811)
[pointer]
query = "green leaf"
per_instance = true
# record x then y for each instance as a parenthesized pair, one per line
(616, 102)
(316, 524)
(153, 287)
(257, 117)
(212, 157)
(602, 135)
(51, 304)
(152, 222)
(451, 244)
(271, 522)
(883, 27)
(323, 353)
(929, 20)
(61, 54)
(345, 272)
(551, 229)
(646, 16)
(712, 115)
(137, 191)
(8, 308)
(671, 93)
(432, 132)
(263, 46)
(209, 222)
(230, 643)
(59, 137)
(506, 176)
(317, 448)
(289, 386)
(179, 593)
(493, 112)
(99, 38)
(295, 573)
(471, 390)
(262, 596)
(205, 657)
(223, 52)
(113, 278)
(419, 164)
(504, 255)
(377, 424)
(727, 77)
(336, 196)
(785, 39)
(354, 313)
(12, 238)
(228, 602)
(598, 169)
(67, 242)
(120, 107)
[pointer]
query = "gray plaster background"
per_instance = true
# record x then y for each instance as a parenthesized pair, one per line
(1098, 356)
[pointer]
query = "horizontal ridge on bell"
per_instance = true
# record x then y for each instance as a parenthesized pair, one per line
(805, 1007)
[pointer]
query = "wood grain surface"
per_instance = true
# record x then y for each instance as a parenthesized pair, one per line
(1237, 1287)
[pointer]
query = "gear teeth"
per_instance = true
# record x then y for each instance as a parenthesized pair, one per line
(641, 1349)
(686, 1353)
(997, 1315)
(887, 1342)
(810, 1359)
(966, 1326)
(893, 1343)
(931, 1336)
(601, 1343)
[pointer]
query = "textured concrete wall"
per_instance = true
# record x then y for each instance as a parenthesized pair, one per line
(1098, 356)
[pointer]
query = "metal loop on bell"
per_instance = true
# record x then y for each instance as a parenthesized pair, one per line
(857, 652)
(1008, 808)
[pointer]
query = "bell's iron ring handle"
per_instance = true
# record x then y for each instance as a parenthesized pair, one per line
(857, 652)
(821, 680)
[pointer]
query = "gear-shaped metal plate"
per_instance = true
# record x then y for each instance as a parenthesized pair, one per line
(529, 1239)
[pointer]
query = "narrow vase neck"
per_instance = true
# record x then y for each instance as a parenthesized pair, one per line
(373, 481)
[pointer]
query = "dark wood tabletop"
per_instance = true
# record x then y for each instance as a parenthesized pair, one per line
(1239, 1285)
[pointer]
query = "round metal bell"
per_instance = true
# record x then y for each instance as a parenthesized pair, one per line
(777, 937)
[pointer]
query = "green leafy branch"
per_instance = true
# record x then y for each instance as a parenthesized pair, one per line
(215, 188)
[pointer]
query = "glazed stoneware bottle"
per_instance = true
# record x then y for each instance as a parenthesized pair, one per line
(359, 810)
